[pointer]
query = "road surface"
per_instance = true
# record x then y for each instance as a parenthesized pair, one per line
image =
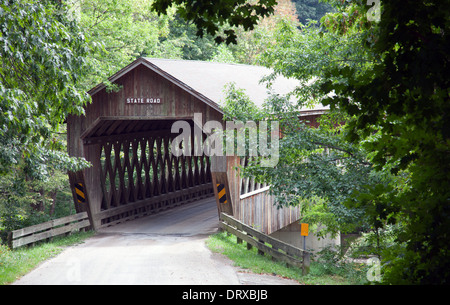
(164, 249)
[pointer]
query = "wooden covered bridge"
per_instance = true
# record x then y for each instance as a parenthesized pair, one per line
(127, 137)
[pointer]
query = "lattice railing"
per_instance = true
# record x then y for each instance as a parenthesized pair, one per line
(144, 167)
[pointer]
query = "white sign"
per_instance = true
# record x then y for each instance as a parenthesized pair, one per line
(142, 100)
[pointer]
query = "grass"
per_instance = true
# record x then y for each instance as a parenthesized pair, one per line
(18, 262)
(326, 272)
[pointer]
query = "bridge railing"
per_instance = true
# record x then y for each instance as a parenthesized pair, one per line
(278, 249)
(47, 230)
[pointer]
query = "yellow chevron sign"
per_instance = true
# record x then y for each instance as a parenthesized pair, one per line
(79, 190)
(222, 193)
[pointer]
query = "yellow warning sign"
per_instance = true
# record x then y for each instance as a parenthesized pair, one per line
(79, 190)
(304, 230)
(222, 193)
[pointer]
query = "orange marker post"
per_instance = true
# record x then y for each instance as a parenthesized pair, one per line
(304, 231)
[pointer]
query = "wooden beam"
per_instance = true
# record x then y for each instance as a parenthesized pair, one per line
(123, 137)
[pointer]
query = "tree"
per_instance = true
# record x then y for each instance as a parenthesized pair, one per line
(182, 36)
(209, 16)
(398, 108)
(42, 62)
(42, 58)
(317, 168)
(122, 30)
(311, 10)
(404, 97)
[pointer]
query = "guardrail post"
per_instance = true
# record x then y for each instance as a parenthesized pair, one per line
(276, 249)
(261, 252)
(249, 245)
(10, 239)
(306, 262)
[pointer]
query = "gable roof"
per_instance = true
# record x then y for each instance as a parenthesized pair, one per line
(207, 80)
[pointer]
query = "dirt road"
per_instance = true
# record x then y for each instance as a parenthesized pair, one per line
(164, 249)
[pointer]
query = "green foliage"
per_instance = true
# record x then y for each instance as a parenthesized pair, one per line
(331, 262)
(120, 31)
(404, 96)
(321, 220)
(311, 10)
(42, 58)
(312, 55)
(398, 106)
(375, 242)
(27, 201)
(390, 79)
(209, 16)
(317, 168)
(182, 37)
(224, 55)
(250, 45)
(238, 106)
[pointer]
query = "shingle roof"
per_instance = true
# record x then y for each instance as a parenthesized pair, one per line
(210, 78)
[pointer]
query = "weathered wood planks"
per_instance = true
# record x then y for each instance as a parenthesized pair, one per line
(49, 229)
(252, 203)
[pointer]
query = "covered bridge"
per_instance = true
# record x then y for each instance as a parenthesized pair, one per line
(127, 137)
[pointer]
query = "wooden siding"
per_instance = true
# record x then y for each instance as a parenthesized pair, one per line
(257, 208)
(260, 212)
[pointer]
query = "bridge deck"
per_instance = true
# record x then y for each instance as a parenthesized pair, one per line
(195, 218)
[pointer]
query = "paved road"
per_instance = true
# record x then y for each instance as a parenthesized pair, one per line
(165, 249)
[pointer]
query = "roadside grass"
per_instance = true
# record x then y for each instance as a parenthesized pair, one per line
(18, 262)
(325, 272)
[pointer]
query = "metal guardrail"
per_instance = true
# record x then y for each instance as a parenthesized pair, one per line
(278, 249)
